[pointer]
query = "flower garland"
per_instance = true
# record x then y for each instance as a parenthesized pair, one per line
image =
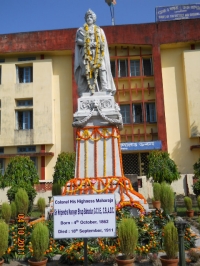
(85, 134)
(88, 136)
(93, 64)
(105, 185)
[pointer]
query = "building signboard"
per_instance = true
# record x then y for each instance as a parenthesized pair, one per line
(177, 12)
(84, 216)
(141, 146)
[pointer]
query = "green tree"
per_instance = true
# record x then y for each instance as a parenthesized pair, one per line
(20, 170)
(196, 168)
(196, 186)
(64, 168)
(161, 168)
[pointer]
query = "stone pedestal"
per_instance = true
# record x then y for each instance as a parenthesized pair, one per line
(98, 152)
(99, 166)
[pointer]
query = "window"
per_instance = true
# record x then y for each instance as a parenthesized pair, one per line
(112, 66)
(147, 67)
(35, 161)
(151, 112)
(2, 166)
(135, 163)
(26, 149)
(134, 68)
(122, 68)
(24, 119)
(24, 74)
(26, 58)
(137, 113)
(25, 102)
(125, 111)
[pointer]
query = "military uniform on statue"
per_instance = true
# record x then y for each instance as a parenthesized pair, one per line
(98, 120)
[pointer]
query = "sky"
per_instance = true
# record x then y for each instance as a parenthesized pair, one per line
(37, 15)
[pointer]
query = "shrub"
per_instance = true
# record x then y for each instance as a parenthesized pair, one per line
(156, 191)
(41, 205)
(196, 168)
(22, 202)
(161, 168)
(128, 237)
(56, 189)
(13, 210)
(167, 198)
(188, 203)
(4, 237)
(196, 187)
(64, 168)
(40, 240)
(170, 240)
(20, 170)
(198, 202)
(6, 212)
(29, 189)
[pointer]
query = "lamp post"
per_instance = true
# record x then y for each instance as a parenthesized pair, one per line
(111, 4)
(180, 225)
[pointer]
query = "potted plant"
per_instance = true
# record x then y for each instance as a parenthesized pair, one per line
(167, 198)
(170, 245)
(188, 205)
(22, 203)
(6, 212)
(4, 239)
(40, 243)
(156, 195)
(41, 205)
(128, 237)
(13, 211)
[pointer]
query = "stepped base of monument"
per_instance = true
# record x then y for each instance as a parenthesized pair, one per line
(125, 195)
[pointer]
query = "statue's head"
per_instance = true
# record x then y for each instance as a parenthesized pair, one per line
(90, 13)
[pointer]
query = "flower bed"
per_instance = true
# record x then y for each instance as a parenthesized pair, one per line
(99, 249)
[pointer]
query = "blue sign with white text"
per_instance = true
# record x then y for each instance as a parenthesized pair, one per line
(141, 146)
(177, 12)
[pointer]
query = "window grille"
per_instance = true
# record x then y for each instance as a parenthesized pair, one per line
(144, 163)
(135, 163)
(130, 163)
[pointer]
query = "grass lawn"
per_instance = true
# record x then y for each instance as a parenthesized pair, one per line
(181, 211)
